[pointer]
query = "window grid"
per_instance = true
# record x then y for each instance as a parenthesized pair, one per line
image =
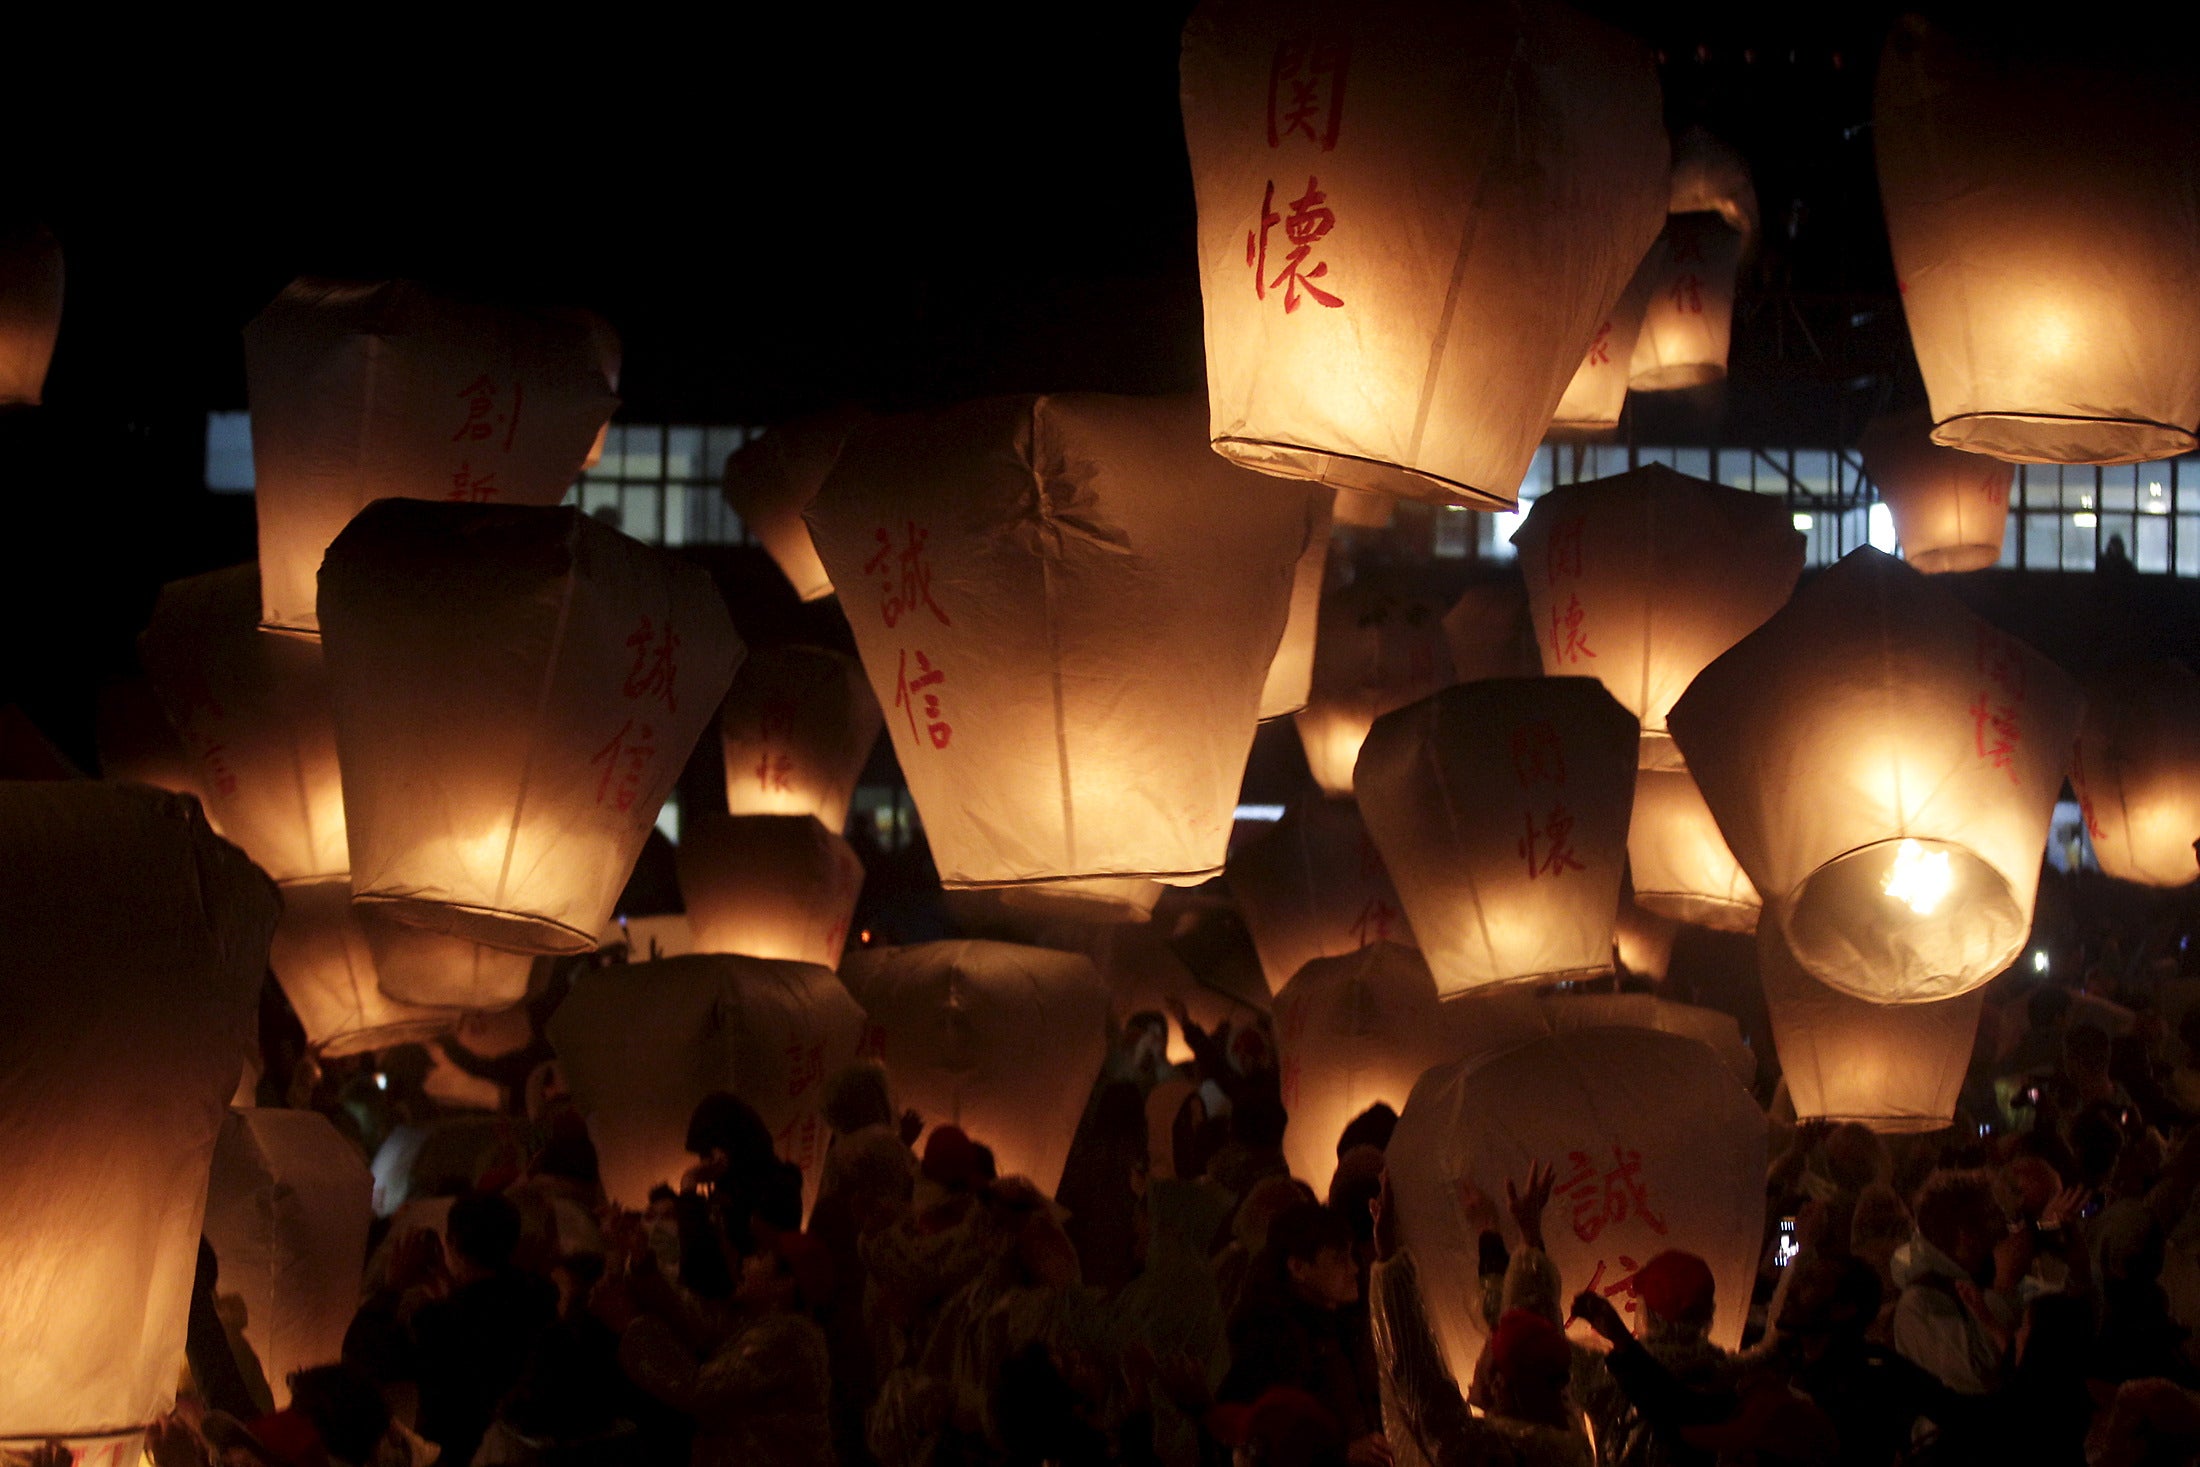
(660, 483)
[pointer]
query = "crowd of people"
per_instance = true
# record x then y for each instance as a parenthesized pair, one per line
(2014, 1289)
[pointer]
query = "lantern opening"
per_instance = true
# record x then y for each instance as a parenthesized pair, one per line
(2057, 438)
(1928, 917)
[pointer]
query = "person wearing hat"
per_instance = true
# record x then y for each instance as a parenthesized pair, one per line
(1676, 1297)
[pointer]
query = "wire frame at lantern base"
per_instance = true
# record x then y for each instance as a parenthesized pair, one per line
(1353, 475)
(1929, 919)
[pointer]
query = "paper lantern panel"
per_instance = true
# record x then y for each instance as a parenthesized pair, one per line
(1411, 221)
(379, 389)
(1291, 673)
(1950, 508)
(999, 1039)
(769, 886)
(798, 726)
(30, 311)
(1678, 863)
(1598, 392)
(1067, 607)
(516, 690)
(417, 966)
(2136, 771)
(1688, 317)
(771, 480)
(1884, 765)
(2044, 246)
(1381, 644)
(323, 961)
(288, 1205)
(1315, 887)
(1352, 1031)
(1500, 808)
(138, 941)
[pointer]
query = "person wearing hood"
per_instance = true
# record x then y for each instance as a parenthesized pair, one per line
(1959, 1304)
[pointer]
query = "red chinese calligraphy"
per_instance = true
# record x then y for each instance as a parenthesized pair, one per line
(1306, 89)
(1996, 729)
(1569, 643)
(468, 487)
(1600, 347)
(905, 578)
(1538, 753)
(1375, 923)
(936, 728)
(1303, 228)
(484, 417)
(801, 1141)
(1622, 1288)
(655, 670)
(1600, 1200)
(1686, 293)
(1550, 851)
(212, 756)
(805, 1065)
(630, 751)
(1563, 559)
(2085, 796)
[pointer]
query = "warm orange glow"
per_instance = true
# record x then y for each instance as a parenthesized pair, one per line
(1351, 1031)
(30, 311)
(798, 726)
(768, 886)
(772, 480)
(2137, 773)
(1380, 646)
(1315, 887)
(1950, 508)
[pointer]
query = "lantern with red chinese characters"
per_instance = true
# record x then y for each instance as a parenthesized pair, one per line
(1501, 808)
(1655, 1146)
(1641, 579)
(137, 941)
(1678, 862)
(2136, 771)
(1380, 645)
(1411, 223)
(1950, 508)
(1291, 673)
(999, 1039)
(417, 966)
(1893, 1067)
(30, 311)
(771, 481)
(515, 691)
(798, 727)
(287, 1210)
(2043, 336)
(1314, 887)
(1884, 765)
(768, 886)
(373, 390)
(639, 1045)
(1067, 607)
(1598, 393)
(1350, 1031)
(1689, 317)
(322, 959)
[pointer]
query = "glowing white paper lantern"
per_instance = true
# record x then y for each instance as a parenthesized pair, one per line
(1351, 1031)
(1884, 765)
(1067, 607)
(1950, 508)
(1893, 1067)
(30, 311)
(1315, 887)
(2136, 771)
(252, 709)
(798, 727)
(1380, 645)
(326, 967)
(771, 481)
(768, 886)
(2045, 335)
(1291, 674)
(416, 966)
(999, 1039)
(1501, 810)
(1598, 391)
(373, 390)
(1654, 1144)
(1641, 579)
(641, 1044)
(138, 940)
(515, 690)
(1643, 940)
(1411, 222)
(1693, 267)
(1677, 861)
(288, 1204)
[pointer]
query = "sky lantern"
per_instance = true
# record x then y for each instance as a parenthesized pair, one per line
(30, 311)
(1598, 391)
(1677, 861)
(1291, 673)
(1500, 808)
(768, 886)
(640, 1044)
(1692, 269)
(415, 966)
(2045, 335)
(1117, 900)
(1641, 579)
(770, 482)
(1643, 940)
(2136, 771)
(366, 390)
(1654, 1144)
(1893, 1067)
(1884, 765)
(1411, 223)
(1950, 508)
(322, 959)
(252, 709)
(1380, 645)
(138, 940)
(1350, 1031)
(288, 1205)
(516, 689)
(1314, 886)
(798, 726)
(1067, 607)
(997, 1038)
(1489, 633)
